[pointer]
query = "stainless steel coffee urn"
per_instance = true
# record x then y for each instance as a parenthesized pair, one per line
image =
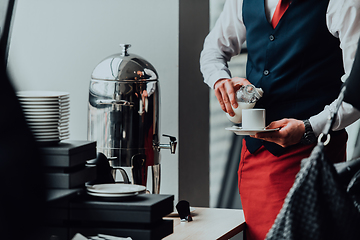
(123, 116)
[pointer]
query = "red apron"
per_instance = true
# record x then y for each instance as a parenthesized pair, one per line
(264, 180)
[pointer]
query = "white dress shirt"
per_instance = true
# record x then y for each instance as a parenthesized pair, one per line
(229, 34)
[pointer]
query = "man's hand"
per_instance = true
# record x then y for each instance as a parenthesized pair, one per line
(225, 90)
(290, 133)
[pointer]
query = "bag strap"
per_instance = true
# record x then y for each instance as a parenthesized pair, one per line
(324, 137)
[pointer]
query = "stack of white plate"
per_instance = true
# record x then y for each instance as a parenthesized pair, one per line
(47, 114)
(115, 190)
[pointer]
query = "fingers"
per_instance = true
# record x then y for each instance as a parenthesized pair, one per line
(220, 93)
(278, 124)
(225, 92)
(275, 136)
(231, 96)
(290, 133)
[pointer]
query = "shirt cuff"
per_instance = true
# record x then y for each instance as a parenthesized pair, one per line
(318, 121)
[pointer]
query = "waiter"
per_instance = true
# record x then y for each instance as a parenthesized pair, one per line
(298, 53)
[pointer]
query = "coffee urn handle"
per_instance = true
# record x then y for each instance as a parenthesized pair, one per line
(171, 145)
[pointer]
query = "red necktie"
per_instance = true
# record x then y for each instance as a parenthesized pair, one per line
(279, 11)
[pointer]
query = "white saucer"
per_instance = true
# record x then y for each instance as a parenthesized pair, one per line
(241, 131)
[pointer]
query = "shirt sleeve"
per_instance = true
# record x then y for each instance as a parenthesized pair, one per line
(343, 18)
(222, 43)
(353, 82)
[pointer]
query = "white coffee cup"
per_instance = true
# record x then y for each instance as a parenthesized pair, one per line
(253, 118)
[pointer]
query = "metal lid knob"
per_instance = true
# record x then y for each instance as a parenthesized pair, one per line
(125, 48)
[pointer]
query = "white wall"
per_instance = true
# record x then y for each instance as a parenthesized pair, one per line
(56, 44)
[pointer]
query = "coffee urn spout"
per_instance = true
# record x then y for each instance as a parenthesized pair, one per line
(171, 145)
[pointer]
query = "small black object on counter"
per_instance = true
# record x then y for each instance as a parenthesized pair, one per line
(183, 208)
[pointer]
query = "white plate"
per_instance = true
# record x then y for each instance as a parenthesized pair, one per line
(45, 111)
(45, 131)
(117, 195)
(64, 138)
(38, 101)
(40, 107)
(51, 136)
(41, 94)
(46, 115)
(26, 103)
(42, 115)
(56, 139)
(30, 108)
(42, 99)
(47, 136)
(45, 101)
(42, 124)
(115, 188)
(37, 116)
(42, 120)
(58, 120)
(45, 128)
(50, 132)
(241, 131)
(41, 111)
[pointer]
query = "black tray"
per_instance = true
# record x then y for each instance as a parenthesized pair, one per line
(68, 153)
(68, 180)
(140, 217)
(156, 231)
(144, 208)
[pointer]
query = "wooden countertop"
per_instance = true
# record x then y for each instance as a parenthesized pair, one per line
(208, 223)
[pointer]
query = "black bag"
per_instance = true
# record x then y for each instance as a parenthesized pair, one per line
(323, 203)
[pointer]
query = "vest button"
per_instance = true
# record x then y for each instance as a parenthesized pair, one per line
(271, 37)
(266, 72)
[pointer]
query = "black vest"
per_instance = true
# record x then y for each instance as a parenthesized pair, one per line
(298, 64)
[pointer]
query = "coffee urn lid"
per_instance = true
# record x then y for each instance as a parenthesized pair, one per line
(124, 67)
